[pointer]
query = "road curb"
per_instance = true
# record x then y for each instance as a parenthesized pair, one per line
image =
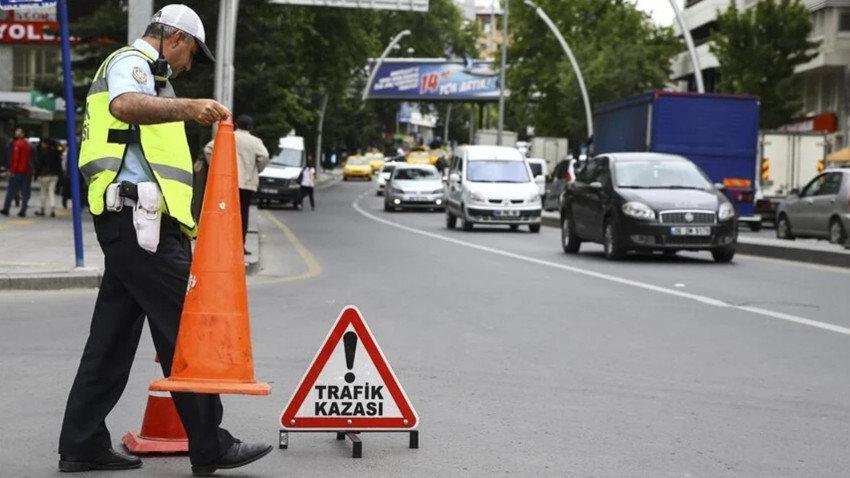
(59, 280)
(837, 258)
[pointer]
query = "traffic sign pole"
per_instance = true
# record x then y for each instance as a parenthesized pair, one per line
(71, 123)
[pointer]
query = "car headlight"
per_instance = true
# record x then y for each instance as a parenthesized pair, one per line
(638, 210)
(726, 211)
(397, 191)
(437, 191)
(477, 196)
(534, 198)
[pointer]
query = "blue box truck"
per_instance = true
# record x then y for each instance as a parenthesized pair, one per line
(720, 133)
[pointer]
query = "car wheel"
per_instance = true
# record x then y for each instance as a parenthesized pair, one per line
(379, 192)
(534, 228)
(755, 226)
(451, 220)
(514, 227)
(464, 223)
(723, 255)
(345, 178)
(613, 243)
(569, 240)
(783, 228)
(837, 235)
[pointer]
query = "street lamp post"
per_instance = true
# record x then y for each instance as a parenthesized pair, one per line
(380, 61)
(689, 41)
(587, 110)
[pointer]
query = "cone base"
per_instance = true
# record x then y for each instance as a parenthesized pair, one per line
(208, 386)
(137, 445)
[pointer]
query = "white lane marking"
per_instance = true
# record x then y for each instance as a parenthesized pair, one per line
(610, 278)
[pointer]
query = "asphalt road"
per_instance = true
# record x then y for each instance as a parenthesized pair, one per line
(519, 360)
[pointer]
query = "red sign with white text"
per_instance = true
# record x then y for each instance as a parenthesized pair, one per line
(29, 32)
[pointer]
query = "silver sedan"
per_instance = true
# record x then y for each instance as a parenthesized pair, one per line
(415, 186)
(821, 209)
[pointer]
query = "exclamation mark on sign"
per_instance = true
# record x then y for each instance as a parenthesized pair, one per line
(350, 342)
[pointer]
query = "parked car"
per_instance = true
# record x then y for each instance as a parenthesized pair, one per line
(376, 160)
(647, 202)
(415, 186)
(821, 209)
(539, 171)
(357, 167)
(563, 174)
(491, 185)
(384, 176)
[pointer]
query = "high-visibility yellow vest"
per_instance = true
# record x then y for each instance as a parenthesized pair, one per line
(164, 147)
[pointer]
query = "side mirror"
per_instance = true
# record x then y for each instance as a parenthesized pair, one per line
(454, 178)
(540, 179)
(720, 186)
(595, 185)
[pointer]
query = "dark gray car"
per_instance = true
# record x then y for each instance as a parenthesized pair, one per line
(820, 210)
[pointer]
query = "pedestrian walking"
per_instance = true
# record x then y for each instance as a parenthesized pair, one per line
(48, 172)
(143, 222)
(307, 180)
(251, 158)
(20, 171)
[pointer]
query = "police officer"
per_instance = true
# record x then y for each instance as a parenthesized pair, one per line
(133, 141)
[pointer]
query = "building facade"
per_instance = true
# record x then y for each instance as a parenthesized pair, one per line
(30, 52)
(825, 79)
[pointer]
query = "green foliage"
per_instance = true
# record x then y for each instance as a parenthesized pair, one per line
(619, 50)
(758, 50)
(287, 59)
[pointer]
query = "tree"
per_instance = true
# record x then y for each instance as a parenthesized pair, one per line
(620, 51)
(758, 50)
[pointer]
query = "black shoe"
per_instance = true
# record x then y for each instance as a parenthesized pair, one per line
(106, 460)
(22, 214)
(4, 212)
(239, 454)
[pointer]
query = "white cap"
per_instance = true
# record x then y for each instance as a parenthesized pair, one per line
(184, 18)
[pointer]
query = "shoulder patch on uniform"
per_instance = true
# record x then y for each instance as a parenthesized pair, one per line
(139, 75)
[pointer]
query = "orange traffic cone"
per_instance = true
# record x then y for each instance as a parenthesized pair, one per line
(213, 353)
(162, 430)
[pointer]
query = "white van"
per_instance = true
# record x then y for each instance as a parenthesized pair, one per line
(491, 185)
(279, 181)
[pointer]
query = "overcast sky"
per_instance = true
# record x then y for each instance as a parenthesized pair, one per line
(660, 10)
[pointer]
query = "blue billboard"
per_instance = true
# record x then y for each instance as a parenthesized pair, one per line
(15, 4)
(434, 80)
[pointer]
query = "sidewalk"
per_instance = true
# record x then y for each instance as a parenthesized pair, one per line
(801, 250)
(37, 253)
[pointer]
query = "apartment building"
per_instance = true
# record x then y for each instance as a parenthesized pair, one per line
(824, 79)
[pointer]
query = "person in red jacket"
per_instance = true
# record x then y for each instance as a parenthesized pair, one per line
(19, 173)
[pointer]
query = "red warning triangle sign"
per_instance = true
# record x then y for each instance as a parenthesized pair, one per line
(350, 385)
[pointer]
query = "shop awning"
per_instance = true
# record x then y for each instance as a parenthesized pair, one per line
(28, 112)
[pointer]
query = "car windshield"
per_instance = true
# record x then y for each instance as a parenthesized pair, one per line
(358, 161)
(288, 158)
(497, 172)
(415, 174)
(654, 174)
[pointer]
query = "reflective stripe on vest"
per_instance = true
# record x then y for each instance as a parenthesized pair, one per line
(164, 147)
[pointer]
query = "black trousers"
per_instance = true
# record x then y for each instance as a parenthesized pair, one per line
(305, 192)
(136, 284)
(245, 196)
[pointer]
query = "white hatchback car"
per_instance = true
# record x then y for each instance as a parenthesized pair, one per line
(492, 185)
(384, 176)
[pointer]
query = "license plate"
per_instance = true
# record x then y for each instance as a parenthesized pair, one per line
(690, 231)
(268, 190)
(506, 213)
(419, 199)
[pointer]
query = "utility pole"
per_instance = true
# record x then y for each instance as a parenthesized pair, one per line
(139, 14)
(502, 82)
(224, 48)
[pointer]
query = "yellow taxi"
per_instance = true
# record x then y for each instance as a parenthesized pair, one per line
(418, 156)
(436, 154)
(376, 161)
(357, 167)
